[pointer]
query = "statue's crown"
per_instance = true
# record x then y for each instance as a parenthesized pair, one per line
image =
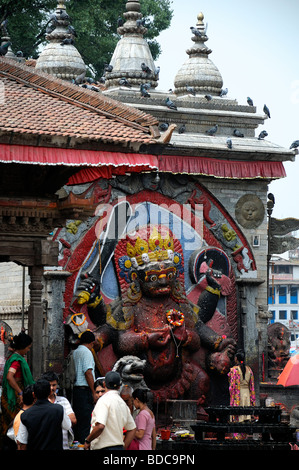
(158, 247)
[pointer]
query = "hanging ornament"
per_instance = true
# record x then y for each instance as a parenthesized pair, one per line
(175, 317)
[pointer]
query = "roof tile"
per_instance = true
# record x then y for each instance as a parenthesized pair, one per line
(39, 104)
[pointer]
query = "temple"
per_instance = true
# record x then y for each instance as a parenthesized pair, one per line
(143, 213)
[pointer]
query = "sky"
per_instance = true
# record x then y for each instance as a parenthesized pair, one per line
(255, 46)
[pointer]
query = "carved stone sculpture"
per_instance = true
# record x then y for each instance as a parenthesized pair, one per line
(154, 320)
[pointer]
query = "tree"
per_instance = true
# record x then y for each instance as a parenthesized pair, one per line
(95, 22)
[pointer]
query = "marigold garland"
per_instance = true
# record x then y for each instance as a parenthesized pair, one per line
(74, 321)
(171, 316)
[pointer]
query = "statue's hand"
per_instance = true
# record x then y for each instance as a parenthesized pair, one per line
(158, 339)
(88, 290)
(229, 344)
(180, 333)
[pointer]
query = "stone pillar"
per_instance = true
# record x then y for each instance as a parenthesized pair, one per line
(54, 281)
(252, 331)
(35, 320)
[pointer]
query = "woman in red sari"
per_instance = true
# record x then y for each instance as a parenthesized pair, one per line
(16, 377)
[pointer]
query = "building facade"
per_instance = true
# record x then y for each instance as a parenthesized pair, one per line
(283, 298)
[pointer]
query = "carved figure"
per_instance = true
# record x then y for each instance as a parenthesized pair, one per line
(131, 370)
(250, 211)
(154, 320)
(278, 347)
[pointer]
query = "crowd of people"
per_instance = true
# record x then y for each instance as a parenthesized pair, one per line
(104, 414)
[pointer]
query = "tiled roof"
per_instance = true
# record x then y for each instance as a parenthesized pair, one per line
(38, 104)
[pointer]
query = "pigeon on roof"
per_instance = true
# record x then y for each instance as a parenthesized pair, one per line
(170, 104)
(195, 31)
(238, 133)
(294, 144)
(190, 90)
(4, 48)
(262, 135)
(266, 110)
(212, 130)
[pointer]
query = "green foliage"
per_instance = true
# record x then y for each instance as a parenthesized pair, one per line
(95, 22)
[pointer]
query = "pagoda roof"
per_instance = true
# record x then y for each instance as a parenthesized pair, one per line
(41, 110)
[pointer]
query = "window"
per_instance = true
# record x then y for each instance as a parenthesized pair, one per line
(294, 315)
(281, 269)
(282, 294)
(282, 314)
(272, 320)
(294, 295)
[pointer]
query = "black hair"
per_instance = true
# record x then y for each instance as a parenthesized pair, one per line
(50, 376)
(28, 397)
(42, 389)
(20, 341)
(240, 355)
(141, 394)
(99, 381)
(87, 337)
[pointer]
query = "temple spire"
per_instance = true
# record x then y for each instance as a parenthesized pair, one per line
(198, 71)
(132, 59)
(60, 57)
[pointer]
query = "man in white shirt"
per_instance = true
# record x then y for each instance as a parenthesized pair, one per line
(110, 417)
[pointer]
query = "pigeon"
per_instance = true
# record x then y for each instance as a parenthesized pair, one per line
(144, 92)
(163, 126)
(271, 197)
(3, 27)
(90, 87)
(145, 68)
(108, 68)
(4, 48)
(50, 27)
(124, 82)
(190, 90)
(266, 111)
(157, 72)
(120, 22)
(262, 135)
(140, 22)
(182, 129)
(79, 79)
(229, 143)
(237, 133)
(208, 97)
(224, 92)
(294, 144)
(72, 31)
(63, 15)
(249, 101)
(195, 31)
(213, 130)
(67, 41)
(170, 104)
